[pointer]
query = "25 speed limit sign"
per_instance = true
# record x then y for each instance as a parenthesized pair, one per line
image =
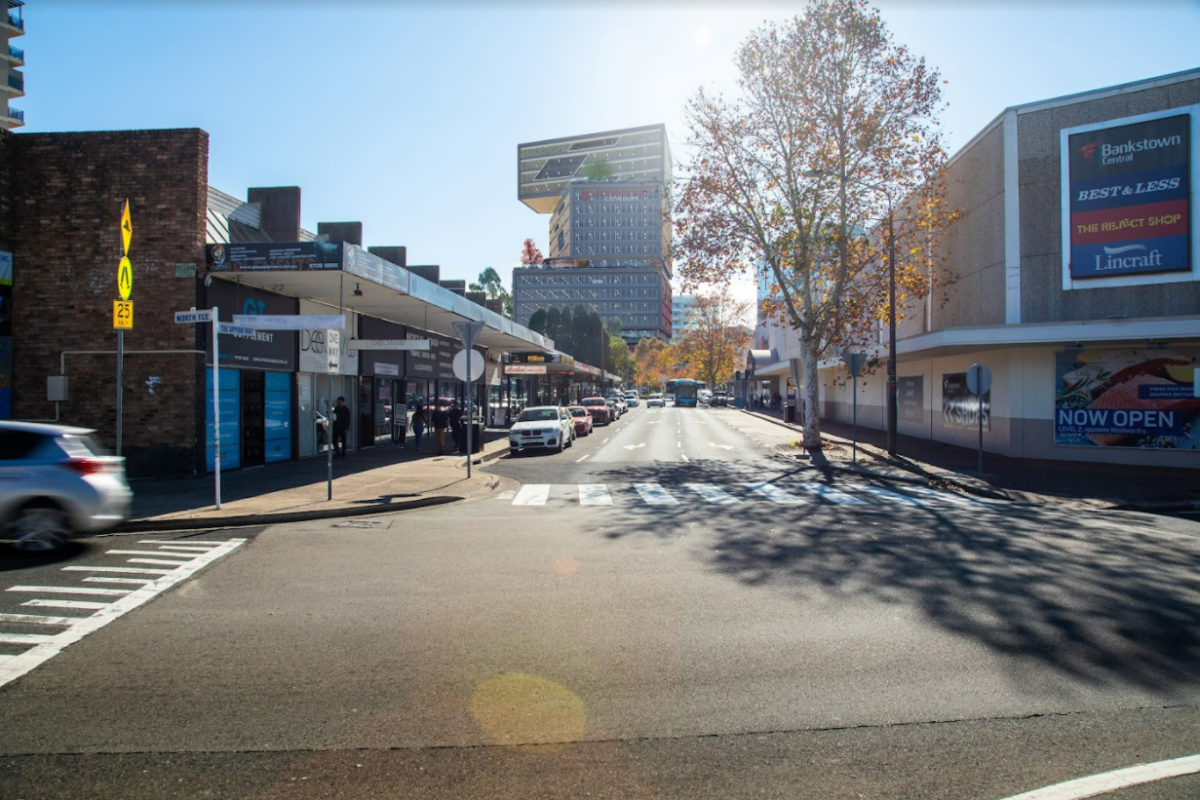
(123, 314)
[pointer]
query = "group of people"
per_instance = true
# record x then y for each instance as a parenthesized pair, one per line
(441, 419)
(767, 400)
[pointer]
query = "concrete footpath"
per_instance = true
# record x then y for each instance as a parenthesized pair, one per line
(1025, 480)
(369, 481)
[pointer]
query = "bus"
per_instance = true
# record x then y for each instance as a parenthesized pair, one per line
(687, 392)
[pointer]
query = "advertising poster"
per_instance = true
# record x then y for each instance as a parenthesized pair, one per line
(910, 403)
(231, 426)
(278, 412)
(262, 349)
(1129, 198)
(261, 256)
(1128, 398)
(960, 408)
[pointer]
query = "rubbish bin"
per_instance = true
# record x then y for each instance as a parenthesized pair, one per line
(789, 414)
(477, 437)
(737, 402)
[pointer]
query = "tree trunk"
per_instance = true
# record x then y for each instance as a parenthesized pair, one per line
(811, 398)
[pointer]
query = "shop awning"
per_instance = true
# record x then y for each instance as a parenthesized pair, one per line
(346, 276)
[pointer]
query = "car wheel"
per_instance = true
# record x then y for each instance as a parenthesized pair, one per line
(561, 446)
(39, 528)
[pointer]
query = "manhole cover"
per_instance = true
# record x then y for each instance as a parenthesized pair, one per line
(360, 523)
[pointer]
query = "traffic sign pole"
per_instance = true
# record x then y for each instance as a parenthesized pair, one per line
(216, 405)
(120, 385)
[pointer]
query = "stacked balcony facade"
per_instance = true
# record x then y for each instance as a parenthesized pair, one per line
(12, 58)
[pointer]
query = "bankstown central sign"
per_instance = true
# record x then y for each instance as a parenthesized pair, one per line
(1128, 207)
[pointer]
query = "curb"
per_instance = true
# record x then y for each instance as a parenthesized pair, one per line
(196, 523)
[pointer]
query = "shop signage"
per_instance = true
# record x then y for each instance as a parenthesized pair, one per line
(1128, 198)
(314, 342)
(266, 256)
(960, 407)
(262, 349)
(1148, 399)
(291, 322)
(911, 396)
(382, 362)
(525, 369)
(391, 344)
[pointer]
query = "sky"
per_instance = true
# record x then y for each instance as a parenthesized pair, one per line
(406, 116)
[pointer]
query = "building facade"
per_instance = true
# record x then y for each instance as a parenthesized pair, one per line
(621, 222)
(1076, 271)
(12, 58)
(681, 312)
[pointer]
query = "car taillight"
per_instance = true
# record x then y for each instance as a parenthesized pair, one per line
(85, 466)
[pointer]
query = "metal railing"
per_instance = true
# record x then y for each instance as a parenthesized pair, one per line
(16, 21)
(16, 81)
(16, 113)
(16, 53)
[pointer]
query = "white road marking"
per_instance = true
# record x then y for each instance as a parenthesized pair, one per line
(507, 495)
(38, 619)
(163, 561)
(606, 440)
(895, 497)
(713, 493)
(833, 495)
(190, 554)
(15, 667)
(594, 494)
(129, 570)
(179, 543)
(946, 497)
(776, 495)
(655, 495)
(25, 638)
(1106, 782)
(685, 458)
(138, 581)
(68, 590)
(631, 446)
(722, 446)
(581, 459)
(59, 604)
(532, 494)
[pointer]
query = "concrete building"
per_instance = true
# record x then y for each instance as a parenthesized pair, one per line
(12, 58)
(681, 310)
(609, 239)
(1077, 271)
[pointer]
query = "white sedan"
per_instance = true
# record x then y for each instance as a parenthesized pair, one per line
(656, 401)
(542, 426)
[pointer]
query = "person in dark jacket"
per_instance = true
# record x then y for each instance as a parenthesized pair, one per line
(341, 427)
(439, 428)
(457, 428)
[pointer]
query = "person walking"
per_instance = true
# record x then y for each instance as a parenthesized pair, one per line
(341, 427)
(418, 425)
(456, 428)
(439, 428)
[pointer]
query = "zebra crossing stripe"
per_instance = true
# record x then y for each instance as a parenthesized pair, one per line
(713, 493)
(833, 495)
(895, 497)
(947, 497)
(532, 494)
(594, 494)
(775, 494)
(655, 495)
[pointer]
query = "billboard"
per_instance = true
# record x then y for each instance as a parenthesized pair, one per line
(262, 349)
(262, 256)
(960, 408)
(1128, 398)
(1128, 198)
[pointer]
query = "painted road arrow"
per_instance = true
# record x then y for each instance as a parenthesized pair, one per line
(722, 446)
(634, 446)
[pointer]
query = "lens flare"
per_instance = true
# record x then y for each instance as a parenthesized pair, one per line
(521, 710)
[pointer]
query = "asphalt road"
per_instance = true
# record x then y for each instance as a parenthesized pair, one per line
(670, 608)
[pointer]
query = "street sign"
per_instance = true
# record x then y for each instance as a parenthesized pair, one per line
(126, 234)
(854, 361)
(125, 277)
(232, 330)
(979, 379)
(123, 314)
(390, 344)
(468, 332)
(333, 351)
(460, 365)
(291, 322)
(192, 317)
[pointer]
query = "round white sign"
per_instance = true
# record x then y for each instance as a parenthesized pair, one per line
(460, 365)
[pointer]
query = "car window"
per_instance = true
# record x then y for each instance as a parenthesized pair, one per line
(579, 412)
(18, 444)
(593, 402)
(537, 415)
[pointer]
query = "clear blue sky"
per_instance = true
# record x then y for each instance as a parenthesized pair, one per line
(406, 116)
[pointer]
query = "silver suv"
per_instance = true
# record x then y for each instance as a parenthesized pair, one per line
(56, 483)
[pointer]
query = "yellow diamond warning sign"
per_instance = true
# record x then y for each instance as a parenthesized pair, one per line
(126, 229)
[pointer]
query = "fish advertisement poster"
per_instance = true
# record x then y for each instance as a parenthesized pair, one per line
(1128, 398)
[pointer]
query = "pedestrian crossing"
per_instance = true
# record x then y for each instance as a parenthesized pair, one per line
(733, 494)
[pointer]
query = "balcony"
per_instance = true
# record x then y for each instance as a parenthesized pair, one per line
(16, 81)
(16, 54)
(16, 22)
(17, 114)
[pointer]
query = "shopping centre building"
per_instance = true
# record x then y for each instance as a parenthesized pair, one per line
(1076, 267)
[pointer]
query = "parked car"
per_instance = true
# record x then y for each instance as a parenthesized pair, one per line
(583, 420)
(599, 409)
(719, 399)
(541, 427)
(57, 483)
(656, 401)
(619, 401)
(632, 400)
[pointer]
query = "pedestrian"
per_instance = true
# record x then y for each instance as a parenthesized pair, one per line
(341, 427)
(418, 425)
(440, 421)
(456, 428)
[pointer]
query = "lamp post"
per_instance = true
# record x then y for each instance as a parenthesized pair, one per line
(892, 411)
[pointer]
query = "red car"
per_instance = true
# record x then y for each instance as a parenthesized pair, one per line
(598, 408)
(582, 419)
